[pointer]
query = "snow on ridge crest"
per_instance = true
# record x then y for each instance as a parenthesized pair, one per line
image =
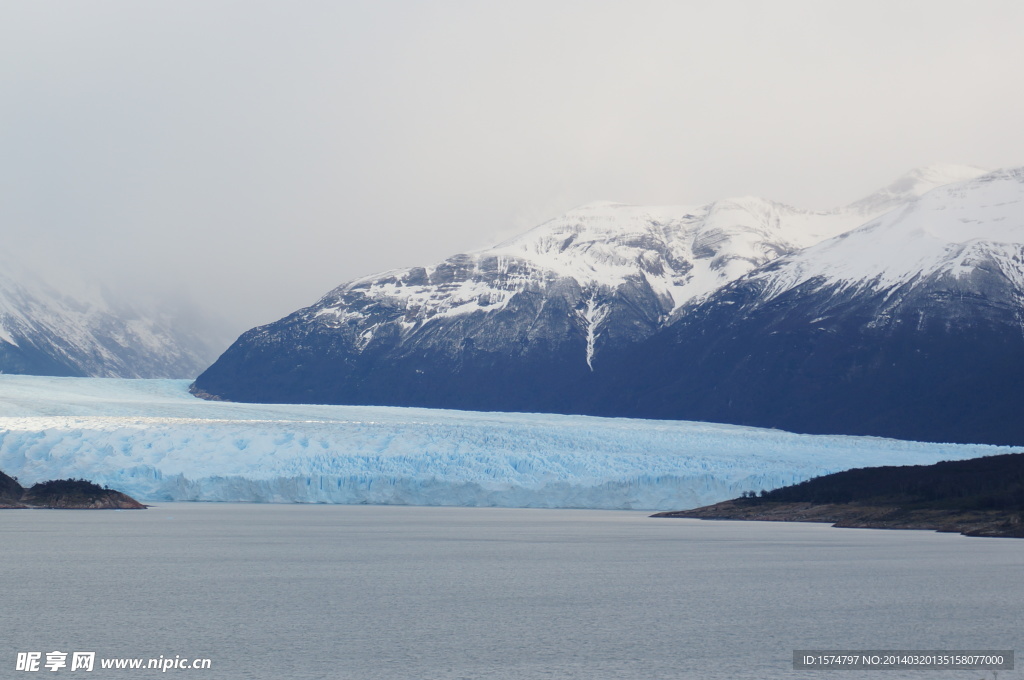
(604, 245)
(913, 184)
(676, 255)
(981, 216)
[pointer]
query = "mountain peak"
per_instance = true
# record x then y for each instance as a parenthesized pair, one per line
(948, 172)
(935, 233)
(914, 184)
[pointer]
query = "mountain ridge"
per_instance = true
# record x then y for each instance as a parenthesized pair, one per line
(620, 310)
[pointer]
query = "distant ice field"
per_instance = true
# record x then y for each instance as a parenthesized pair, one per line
(153, 440)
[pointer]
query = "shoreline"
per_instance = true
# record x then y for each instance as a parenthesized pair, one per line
(982, 523)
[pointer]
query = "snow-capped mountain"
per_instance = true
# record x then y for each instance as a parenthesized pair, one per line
(527, 325)
(80, 329)
(947, 232)
(911, 326)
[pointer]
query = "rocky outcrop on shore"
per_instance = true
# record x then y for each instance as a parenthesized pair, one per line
(65, 494)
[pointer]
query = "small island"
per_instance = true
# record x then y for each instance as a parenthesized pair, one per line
(65, 494)
(978, 497)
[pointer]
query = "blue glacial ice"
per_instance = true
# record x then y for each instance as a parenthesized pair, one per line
(154, 441)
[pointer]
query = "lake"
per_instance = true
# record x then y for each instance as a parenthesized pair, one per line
(295, 592)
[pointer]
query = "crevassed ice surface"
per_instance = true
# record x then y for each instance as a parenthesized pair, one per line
(153, 440)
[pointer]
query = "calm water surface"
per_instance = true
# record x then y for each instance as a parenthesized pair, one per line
(291, 592)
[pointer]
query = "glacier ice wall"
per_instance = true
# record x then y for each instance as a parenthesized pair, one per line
(152, 440)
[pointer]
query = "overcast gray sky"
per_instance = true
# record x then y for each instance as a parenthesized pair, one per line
(257, 154)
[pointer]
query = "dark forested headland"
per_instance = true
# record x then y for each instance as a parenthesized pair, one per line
(978, 497)
(63, 494)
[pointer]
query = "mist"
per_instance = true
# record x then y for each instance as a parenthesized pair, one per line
(249, 156)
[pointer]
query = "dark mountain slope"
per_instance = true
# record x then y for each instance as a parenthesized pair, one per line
(910, 327)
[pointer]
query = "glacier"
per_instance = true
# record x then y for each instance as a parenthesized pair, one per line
(153, 440)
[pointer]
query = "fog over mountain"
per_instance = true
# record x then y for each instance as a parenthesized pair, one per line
(251, 156)
(68, 325)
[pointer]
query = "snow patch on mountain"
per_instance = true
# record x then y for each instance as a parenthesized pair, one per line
(593, 315)
(7, 337)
